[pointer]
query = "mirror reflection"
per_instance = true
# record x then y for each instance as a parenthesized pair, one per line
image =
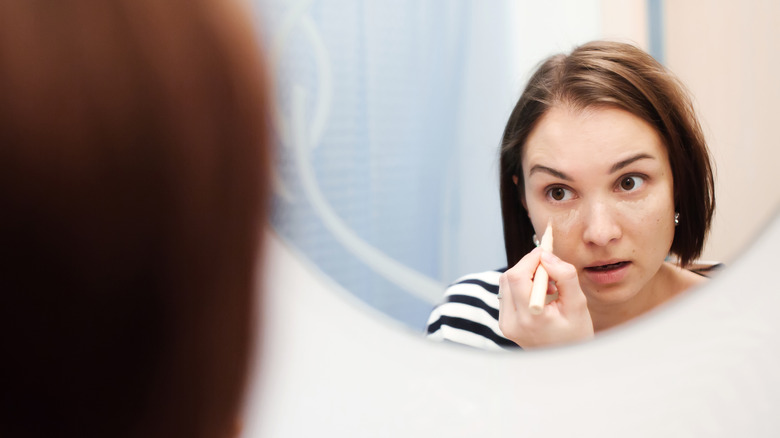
(390, 118)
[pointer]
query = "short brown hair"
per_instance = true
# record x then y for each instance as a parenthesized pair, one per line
(133, 187)
(603, 73)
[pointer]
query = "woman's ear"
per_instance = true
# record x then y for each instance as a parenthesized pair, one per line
(521, 194)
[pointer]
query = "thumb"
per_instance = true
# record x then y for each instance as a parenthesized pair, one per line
(564, 275)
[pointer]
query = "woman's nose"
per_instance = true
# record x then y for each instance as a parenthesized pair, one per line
(601, 225)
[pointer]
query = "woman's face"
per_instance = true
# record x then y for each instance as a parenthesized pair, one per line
(602, 175)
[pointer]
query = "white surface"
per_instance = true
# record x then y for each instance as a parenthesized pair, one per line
(706, 365)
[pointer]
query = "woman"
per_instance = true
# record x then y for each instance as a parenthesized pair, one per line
(133, 186)
(604, 145)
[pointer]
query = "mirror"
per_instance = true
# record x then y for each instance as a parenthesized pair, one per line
(706, 366)
(389, 116)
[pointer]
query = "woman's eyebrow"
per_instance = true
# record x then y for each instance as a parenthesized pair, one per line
(615, 167)
(621, 164)
(551, 171)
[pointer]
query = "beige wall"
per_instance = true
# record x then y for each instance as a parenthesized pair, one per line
(728, 53)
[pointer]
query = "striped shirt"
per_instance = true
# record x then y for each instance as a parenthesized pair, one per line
(469, 313)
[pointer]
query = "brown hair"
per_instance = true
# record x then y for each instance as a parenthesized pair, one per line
(619, 75)
(133, 163)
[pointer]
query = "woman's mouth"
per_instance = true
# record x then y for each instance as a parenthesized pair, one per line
(607, 273)
(607, 267)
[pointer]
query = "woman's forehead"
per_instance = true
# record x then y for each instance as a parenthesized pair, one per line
(591, 137)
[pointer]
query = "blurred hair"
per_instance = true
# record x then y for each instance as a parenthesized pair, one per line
(613, 74)
(133, 187)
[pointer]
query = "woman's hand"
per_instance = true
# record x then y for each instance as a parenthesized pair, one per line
(564, 320)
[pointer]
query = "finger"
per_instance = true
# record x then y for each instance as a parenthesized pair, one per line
(520, 278)
(506, 302)
(529, 262)
(563, 274)
(537, 300)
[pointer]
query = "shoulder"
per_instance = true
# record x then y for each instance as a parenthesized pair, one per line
(481, 285)
(705, 268)
(698, 272)
(468, 313)
(679, 279)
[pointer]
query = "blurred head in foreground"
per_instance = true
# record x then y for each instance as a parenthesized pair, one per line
(133, 169)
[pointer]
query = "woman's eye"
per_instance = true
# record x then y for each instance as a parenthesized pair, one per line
(630, 183)
(559, 194)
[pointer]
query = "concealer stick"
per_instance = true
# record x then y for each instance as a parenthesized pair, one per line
(539, 289)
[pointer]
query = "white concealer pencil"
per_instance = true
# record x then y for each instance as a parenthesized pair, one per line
(541, 278)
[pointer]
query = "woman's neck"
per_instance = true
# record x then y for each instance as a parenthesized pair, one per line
(669, 281)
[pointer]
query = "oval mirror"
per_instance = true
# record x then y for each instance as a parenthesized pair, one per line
(389, 117)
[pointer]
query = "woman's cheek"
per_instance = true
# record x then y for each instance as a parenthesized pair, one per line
(647, 209)
(652, 214)
(566, 226)
(566, 220)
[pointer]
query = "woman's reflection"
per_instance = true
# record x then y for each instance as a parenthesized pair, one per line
(604, 144)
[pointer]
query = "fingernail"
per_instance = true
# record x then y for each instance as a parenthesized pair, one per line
(548, 257)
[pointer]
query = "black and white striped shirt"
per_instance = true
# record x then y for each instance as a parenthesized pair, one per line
(469, 313)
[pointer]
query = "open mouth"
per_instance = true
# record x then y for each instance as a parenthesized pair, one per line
(607, 267)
